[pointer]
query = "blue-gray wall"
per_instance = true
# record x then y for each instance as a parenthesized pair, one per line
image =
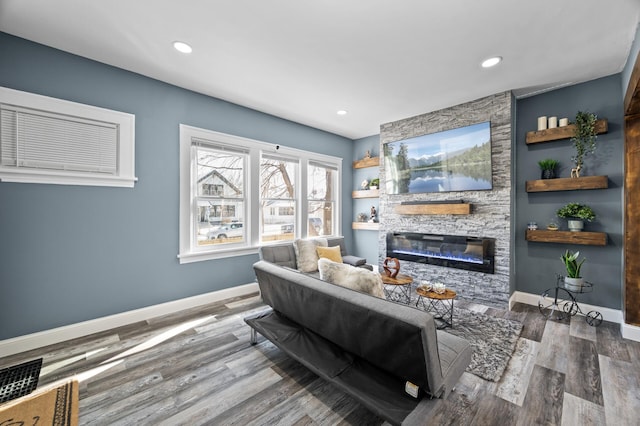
(72, 253)
(365, 242)
(537, 263)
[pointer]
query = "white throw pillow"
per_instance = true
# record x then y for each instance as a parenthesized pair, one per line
(348, 276)
(306, 254)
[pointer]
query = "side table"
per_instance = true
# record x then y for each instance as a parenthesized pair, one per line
(439, 304)
(400, 285)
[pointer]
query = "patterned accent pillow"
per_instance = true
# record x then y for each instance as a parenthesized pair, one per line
(331, 253)
(306, 254)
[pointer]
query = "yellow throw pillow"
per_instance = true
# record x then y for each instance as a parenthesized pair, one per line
(331, 253)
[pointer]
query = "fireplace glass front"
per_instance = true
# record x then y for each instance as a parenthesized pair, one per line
(452, 251)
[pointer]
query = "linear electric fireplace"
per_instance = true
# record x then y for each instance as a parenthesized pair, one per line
(452, 251)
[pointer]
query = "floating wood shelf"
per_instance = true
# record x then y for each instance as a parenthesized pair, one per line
(369, 226)
(568, 184)
(368, 193)
(453, 208)
(366, 162)
(567, 237)
(602, 126)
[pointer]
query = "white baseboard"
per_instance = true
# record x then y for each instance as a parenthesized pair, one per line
(60, 334)
(630, 332)
(608, 314)
(613, 315)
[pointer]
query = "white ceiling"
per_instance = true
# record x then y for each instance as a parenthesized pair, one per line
(303, 60)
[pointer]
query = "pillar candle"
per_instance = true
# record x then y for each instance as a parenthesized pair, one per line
(553, 122)
(542, 123)
(564, 122)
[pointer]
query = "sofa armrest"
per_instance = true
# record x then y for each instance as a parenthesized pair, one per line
(358, 262)
(354, 260)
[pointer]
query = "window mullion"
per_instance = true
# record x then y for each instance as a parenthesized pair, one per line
(303, 198)
(253, 197)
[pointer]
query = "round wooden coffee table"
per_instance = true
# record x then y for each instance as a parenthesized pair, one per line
(439, 304)
(400, 285)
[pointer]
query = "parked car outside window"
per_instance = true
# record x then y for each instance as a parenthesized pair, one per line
(229, 230)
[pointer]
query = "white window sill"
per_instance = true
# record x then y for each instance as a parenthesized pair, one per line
(190, 257)
(63, 178)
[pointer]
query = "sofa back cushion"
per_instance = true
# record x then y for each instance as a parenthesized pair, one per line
(394, 337)
(282, 254)
(337, 242)
(348, 276)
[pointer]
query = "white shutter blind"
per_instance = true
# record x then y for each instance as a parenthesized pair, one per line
(32, 138)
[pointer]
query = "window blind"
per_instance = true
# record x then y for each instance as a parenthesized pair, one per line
(36, 139)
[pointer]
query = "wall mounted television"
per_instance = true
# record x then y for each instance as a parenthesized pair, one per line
(452, 160)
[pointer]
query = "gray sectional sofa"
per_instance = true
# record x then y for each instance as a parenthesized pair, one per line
(376, 350)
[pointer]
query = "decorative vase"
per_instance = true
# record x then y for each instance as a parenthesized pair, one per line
(573, 284)
(575, 225)
(548, 174)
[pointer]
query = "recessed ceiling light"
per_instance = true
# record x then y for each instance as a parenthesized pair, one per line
(182, 47)
(488, 63)
(341, 112)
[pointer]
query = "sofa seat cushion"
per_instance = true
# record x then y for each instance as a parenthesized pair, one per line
(331, 253)
(306, 254)
(350, 277)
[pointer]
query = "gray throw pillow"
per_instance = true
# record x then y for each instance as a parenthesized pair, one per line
(348, 276)
(306, 253)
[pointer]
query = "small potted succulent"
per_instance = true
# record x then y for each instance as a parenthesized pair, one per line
(374, 184)
(576, 214)
(573, 281)
(548, 167)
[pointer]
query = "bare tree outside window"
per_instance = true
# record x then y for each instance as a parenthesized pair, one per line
(277, 198)
(320, 199)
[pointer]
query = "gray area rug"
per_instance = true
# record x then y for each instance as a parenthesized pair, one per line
(492, 339)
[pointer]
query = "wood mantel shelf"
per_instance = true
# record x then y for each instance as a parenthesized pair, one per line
(367, 193)
(369, 226)
(568, 184)
(567, 237)
(557, 133)
(453, 208)
(366, 162)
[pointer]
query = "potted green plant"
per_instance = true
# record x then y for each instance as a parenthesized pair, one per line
(548, 167)
(584, 138)
(576, 214)
(374, 184)
(573, 281)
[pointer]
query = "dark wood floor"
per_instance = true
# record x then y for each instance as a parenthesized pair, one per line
(197, 367)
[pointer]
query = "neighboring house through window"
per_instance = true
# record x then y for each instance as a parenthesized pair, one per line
(238, 193)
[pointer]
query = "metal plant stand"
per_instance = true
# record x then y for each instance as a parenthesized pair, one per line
(560, 303)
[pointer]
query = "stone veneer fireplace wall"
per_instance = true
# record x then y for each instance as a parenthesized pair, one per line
(490, 212)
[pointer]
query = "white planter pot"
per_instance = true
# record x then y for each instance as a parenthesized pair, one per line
(573, 284)
(575, 225)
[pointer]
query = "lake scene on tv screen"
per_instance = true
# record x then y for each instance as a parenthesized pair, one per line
(452, 160)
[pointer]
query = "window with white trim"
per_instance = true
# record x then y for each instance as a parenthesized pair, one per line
(48, 140)
(220, 198)
(278, 178)
(238, 193)
(321, 199)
